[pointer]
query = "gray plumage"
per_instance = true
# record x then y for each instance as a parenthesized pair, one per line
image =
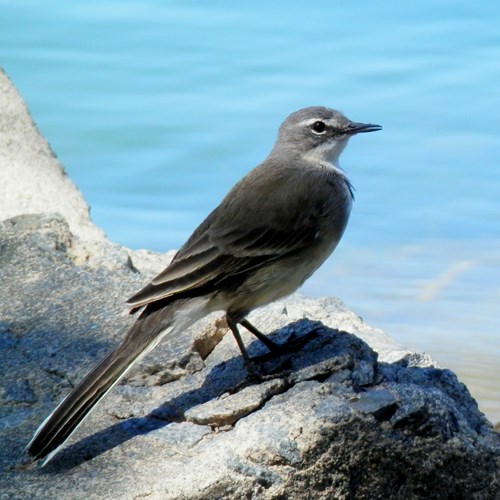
(268, 235)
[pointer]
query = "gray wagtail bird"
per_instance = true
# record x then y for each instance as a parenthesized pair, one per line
(270, 233)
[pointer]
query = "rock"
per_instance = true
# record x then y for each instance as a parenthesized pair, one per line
(350, 414)
(33, 181)
(333, 420)
(31, 178)
(228, 409)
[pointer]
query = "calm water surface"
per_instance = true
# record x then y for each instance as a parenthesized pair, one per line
(157, 108)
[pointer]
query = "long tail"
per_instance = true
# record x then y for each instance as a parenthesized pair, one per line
(143, 336)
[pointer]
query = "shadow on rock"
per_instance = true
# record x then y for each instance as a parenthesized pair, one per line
(324, 353)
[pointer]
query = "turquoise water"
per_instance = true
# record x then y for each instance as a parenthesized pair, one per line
(157, 108)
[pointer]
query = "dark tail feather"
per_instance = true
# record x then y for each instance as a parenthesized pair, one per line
(60, 424)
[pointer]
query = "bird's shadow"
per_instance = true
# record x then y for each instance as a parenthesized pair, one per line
(227, 376)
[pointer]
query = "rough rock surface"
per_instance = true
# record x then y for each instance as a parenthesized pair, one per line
(334, 420)
(31, 178)
(349, 415)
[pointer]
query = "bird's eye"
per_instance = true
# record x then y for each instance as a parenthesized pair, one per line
(319, 127)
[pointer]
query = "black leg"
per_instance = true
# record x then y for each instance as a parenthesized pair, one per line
(272, 346)
(246, 358)
(291, 345)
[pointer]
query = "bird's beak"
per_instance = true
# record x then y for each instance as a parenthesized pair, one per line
(356, 128)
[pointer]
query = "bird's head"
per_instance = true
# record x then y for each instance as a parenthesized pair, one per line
(318, 133)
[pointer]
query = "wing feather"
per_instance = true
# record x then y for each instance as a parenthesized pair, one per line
(230, 241)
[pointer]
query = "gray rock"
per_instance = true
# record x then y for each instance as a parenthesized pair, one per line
(32, 180)
(229, 408)
(333, 420)
(350, 414)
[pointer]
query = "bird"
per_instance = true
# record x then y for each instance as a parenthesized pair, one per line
(268, 235)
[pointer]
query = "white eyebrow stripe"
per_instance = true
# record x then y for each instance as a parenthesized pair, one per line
(310, 121)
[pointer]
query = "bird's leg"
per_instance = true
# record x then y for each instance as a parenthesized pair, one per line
(272, 346)
(291, 345)
(246, 358)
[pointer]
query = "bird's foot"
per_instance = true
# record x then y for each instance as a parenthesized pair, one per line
(293, 344)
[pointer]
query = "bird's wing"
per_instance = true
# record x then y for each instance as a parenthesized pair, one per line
(219, 259)
(231, 241)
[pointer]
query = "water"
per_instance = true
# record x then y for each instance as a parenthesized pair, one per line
(157, 108)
